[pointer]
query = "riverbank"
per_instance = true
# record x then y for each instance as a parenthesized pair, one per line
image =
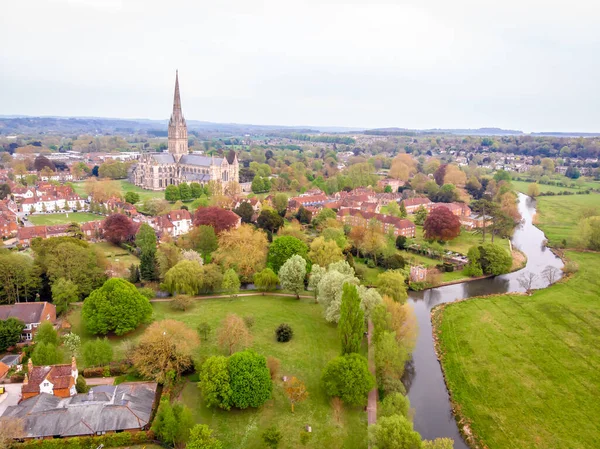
(522, 371)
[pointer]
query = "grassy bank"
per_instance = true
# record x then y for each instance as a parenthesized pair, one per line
(314, 343)
(559, 216)
(524, 371)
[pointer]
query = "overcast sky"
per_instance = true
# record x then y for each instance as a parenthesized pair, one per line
(519, 64)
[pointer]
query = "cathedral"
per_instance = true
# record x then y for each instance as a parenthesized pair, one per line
(156, 171)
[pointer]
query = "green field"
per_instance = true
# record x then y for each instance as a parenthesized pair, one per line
(55, 219)
(525, 371)
(464, 241)
(314, 343)
(558, 216)
(126, 186)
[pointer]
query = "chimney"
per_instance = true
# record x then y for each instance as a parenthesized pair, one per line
(30, 366)
(25, 379)
(73, 363)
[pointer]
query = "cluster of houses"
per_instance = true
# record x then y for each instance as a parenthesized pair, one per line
(47, 197)
(49, 405)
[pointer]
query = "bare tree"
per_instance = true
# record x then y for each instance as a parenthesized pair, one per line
(551, 274)
(526, 281)
(234, 334)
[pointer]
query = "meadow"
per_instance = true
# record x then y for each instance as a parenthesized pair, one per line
(315, 342)
(558, 216)
(56, 219)
(524, 371)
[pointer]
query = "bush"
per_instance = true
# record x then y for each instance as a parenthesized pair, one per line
(17, 378)
(284, 333)
(93, 372)
(147, 292)
(181, 303)
(249, 320)
(109, 440)
(371, 263)
(272, 436)
(251, 384)
(273, 365)
(81, 385)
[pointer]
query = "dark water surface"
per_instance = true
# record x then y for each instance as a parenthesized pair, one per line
(425, 384)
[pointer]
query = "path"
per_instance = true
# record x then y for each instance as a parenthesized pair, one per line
(289, 295)
(372, 404)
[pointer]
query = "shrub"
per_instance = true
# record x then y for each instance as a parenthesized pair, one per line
(251, 384)
(249, 320)
(93, 372)
(147, 292)
(17, 377)
(284, 333)
(273, 364)
(272, 436)
(81, 385)
(181, 303)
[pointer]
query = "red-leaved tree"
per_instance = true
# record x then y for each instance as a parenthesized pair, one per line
(220, 219)
(440, 174)
(118, 228)
(441, 224)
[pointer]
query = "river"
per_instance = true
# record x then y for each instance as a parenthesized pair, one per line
(424, 380)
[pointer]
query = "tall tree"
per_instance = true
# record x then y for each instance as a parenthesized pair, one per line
(351, 326)
(348, 378)
(19, 277)
(266, 280)
(282, 249)
(64, 292)
(234, 334)
(270, 221)
(118, 228)
(10, 332)
(245, 211)
(292, 274)
(185, 278)
(145, 239)
(441, 224)
(251, 384)
(220, 219)
(172, 194)
(201, 438)
(244, 249)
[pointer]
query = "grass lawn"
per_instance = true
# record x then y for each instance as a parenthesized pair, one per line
(558, 216)
(120, 260)
(525, 371)
(315, 342)
(522, 186)
(55, 219)
(464, 241)
(126, 186)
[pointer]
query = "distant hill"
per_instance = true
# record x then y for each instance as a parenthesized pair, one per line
(438, 131)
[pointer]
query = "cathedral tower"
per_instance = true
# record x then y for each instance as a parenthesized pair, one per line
(178, 139)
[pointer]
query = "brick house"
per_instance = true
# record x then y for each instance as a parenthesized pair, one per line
(175, 223)
(31, 313)
(412, 204)
(57, 380)
(398, 226)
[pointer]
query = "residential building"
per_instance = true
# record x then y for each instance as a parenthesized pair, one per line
(175, 223)
(388, 223)
(458, 209)
(126, 407)
(56, 380)
(412, 204)
(31, 313)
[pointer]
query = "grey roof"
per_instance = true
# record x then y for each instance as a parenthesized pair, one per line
(196, 159)
(104, 409)
(163, 158)
(196, 177)
(28, 312)
(10, 360)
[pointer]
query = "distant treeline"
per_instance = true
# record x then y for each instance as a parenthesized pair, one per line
(345, 140)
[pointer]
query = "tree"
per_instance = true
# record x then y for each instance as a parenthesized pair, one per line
(118, 228)
(292, 274)
(348, 378)
(296, 391)
(393, 404)
(4, 191)
(204, 240)
(155, 206)
(10, 332)
(132, 197)
(47, 334)
(184, 278)
(420, 215)
(316, 274)
(81, 386)
(551, 274)
(303, 215)
(134, 274)
(251, 384)
(101, 191)
(244, 249)
(172, 423)
(74, 230)
(72, 342)
(220, 219)
(266, 280)
(196, 190)
(201, 438)
(390, 359)
(330, 289)
(185, 192)
(351, 326)
(323, 215)
(394, 432)
(439, 443)
(172, 194)
(270, 221)
(165, 350)
(401, 242)
(231, 282)
(441, 224)
(42, 162)
(272, 437)
(282, 249)
(473, 267)
(116, 307)
(215, 382)
(280, 203)
(233, 335)
(113, 169)
(533, 190)
(526, 281)
(98, 352)
(12, 429)
(391, 283)
(64, 292)
(494, 259)
(45, 354)
(245, 211)
(440, 174)
(19, 277)
(323, 252)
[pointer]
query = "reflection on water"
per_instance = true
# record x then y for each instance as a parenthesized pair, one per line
(426, 388)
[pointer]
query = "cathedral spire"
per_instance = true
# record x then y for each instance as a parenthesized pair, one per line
(176, 98)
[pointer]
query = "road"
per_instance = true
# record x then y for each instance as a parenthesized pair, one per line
(10, 397)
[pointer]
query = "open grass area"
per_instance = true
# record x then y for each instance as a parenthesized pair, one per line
(522, 186)
(314, 343)
(525, 371)
(464, 241)
(558, 216)
(126, 186)
(119, 259)
(55, 219)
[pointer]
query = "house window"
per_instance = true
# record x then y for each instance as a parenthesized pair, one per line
(28, 337)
